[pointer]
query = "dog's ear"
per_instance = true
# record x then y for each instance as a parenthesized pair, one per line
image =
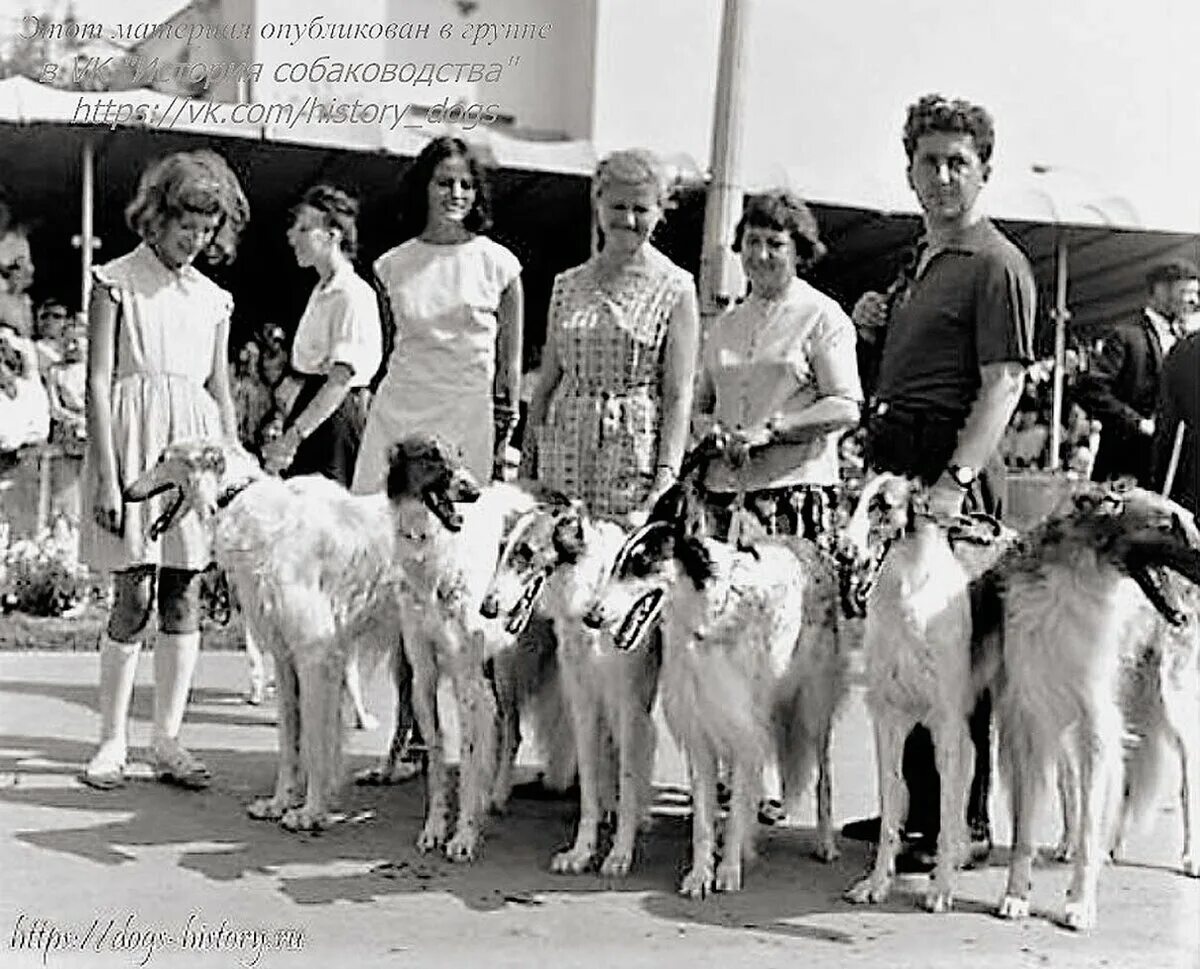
(567, 538)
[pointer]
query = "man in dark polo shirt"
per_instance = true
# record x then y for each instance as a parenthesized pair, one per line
(955, 338)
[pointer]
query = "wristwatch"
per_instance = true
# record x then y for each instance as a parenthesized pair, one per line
(963, 476)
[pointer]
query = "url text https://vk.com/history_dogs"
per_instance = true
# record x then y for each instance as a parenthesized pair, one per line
(752, 671)
(314, 570)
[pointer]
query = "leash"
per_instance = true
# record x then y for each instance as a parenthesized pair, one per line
(1173, 465)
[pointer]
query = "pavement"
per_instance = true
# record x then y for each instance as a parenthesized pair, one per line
(154, 876)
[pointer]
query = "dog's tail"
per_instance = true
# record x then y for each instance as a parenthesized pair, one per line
(1149, 745)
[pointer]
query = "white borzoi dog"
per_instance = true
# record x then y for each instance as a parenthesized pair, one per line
(919, 670)
(555, 562)
(1071, 604)
(446, 557)
(314, 571)
(752, 674)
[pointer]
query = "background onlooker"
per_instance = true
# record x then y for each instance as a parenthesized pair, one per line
(1121, 389)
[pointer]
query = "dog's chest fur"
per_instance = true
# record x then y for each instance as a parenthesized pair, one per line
(918, 629)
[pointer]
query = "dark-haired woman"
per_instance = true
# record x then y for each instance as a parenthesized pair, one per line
(337, 349)
(338, 344)
(779, 377)
(456, 303)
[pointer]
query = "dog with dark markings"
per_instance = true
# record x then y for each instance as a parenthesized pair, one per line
(753, 670)
(554, 563)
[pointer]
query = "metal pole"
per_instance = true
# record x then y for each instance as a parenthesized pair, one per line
(725, 190)
(86, 227)
(1060, 315)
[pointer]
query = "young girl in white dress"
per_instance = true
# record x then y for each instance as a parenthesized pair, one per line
(158, 337)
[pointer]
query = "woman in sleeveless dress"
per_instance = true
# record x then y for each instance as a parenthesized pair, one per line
(610, 414)
(158, 339)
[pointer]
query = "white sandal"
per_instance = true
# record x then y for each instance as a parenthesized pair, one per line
(174, 764)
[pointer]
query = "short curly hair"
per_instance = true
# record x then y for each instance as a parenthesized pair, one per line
(199, 182)
(339, 210)
(414, 186)
(935, 113)
(1171, 271)
(783, 211)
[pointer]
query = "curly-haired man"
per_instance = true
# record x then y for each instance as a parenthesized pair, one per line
(954, 339)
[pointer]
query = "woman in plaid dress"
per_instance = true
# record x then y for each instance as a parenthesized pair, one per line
(610, 414)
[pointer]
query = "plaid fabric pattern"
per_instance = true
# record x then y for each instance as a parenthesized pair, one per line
(600, 439)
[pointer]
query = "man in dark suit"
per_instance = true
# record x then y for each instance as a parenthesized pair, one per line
(1179, 403)
(1122, 387)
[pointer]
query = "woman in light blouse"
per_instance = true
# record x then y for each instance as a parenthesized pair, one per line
(779, 378)
(337, 348)
(338, 345)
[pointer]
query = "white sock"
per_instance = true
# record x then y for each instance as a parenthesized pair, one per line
(175, 657)
(118, 668)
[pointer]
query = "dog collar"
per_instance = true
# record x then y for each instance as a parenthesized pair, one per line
(232, 491)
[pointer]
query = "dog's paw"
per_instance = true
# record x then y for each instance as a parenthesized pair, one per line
(432, 836)
(827, 850)
(870, 890)
(618, 863)
(268, 808)
(1064, 852)
(464, 846)
(303, 819)
(938, 900)
(1191, 866)
(387, 773)
(1013, 907)
(698, 882)
(729, 875)
(1079, 915)
(573, 861)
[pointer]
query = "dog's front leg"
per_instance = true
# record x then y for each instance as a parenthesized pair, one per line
(1184, 717)
(953, 753)
(509, 741)
(1025, 790)
(1099, 772)
(827, 849)
(746, 785)
(1068, 797)
(477, 749)
(321, 683)
(425, 707)
(289, 778)
(890, 733)
(698, 882)
(585, 720)
(635, 753)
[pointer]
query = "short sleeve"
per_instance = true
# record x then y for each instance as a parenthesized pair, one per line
(833, 347)
(110, 279)
(505, 266)
(1006, 302)
(354, 331)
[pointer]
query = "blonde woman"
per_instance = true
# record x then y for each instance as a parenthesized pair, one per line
(609, 418)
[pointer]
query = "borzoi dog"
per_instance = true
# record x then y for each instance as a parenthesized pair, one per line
(752, 670)
(446, 559)
(314, 571)
(1070, 608)
(919, 669)
(556, 561)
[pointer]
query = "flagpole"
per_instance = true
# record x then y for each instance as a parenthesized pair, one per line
(718, 273)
